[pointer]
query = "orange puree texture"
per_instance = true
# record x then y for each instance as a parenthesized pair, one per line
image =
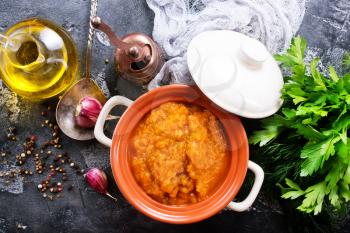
(179, 153)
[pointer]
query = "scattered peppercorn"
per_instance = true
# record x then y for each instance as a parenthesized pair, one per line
(70, 187)
(11, 131)
(56, 180)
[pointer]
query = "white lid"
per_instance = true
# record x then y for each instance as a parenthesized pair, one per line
(236, 72)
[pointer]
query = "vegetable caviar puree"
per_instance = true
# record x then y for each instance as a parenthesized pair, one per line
(179, 153)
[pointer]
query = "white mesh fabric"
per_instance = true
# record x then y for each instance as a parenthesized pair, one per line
(176, 22)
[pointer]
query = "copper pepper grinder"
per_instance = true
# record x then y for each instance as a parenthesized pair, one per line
(137, 57)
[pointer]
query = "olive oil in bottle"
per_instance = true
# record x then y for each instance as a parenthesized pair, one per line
(39, 60)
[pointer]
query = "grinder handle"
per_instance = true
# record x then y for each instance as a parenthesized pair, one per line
(132, 50)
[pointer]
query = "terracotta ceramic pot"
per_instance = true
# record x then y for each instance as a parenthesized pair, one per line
(120, 158)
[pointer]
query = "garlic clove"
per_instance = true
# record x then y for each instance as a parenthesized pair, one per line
(97, 180)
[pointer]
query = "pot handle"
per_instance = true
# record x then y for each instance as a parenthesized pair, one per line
(109, 105)
(248, 202)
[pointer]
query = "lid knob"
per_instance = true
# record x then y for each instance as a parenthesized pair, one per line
(134, 52)
(253, 52)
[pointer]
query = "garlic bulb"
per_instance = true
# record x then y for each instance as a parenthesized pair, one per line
(87, 112)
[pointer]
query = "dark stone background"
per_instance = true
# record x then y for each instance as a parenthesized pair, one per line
(325, 26)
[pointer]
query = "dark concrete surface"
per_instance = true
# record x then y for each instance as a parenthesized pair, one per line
(325, 26)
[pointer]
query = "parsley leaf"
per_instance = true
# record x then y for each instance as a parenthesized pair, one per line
(293, 192)
(314, 196)
(316, 154)
(315, 119)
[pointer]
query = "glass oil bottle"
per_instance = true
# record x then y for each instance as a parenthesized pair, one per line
(38, 59)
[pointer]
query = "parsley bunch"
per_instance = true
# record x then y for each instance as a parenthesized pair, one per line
(314, 120)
